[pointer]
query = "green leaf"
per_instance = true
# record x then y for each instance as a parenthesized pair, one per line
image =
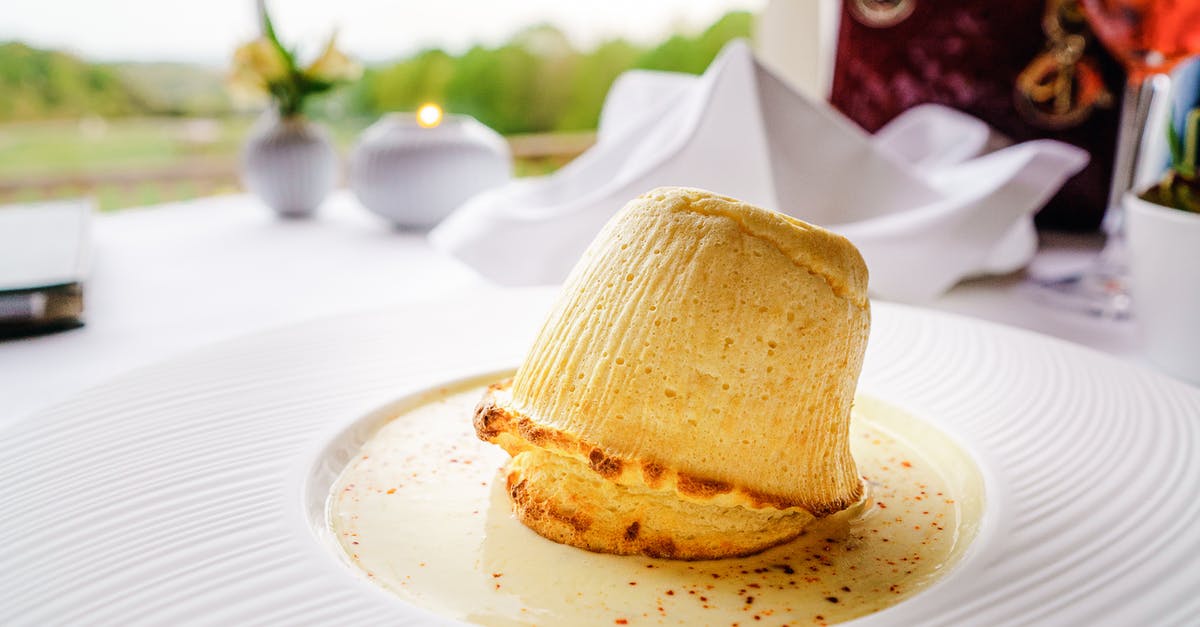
(1192, 129)
(269, 32)
(1175, 144)
(267, 26)
(1186, 199)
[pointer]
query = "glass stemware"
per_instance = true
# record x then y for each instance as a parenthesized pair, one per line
(1149, 37)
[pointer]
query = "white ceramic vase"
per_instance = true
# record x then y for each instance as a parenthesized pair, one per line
(414, 176)
(289, 163)
(1164, 256)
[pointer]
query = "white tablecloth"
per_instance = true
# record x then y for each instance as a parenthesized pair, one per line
(169, 278)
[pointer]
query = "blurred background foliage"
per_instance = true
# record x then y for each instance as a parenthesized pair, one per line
(139, 133)
(537, 82)
(36, 84)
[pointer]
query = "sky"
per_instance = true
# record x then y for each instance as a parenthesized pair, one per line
(206, 31)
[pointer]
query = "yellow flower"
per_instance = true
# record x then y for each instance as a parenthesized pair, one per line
(247, 91)
(333, 65)
(256, 65)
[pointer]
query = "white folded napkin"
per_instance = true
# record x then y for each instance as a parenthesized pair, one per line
(917, 200)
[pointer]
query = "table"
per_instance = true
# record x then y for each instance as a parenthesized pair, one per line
(173, 277)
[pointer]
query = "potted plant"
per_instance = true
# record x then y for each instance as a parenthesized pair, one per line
(288, 161)
(1180, 186)
(1164, 246)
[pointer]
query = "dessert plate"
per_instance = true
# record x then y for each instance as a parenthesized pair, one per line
(178, 493)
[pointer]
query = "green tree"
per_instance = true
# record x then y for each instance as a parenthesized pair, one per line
(693, 54)
(405, 85)
(593, 77)
(536, 82)
(39, 84)
(497, 86)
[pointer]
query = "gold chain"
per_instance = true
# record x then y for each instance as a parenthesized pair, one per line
(1061, 87)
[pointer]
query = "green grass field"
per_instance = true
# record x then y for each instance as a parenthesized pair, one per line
(98, 145)
(91, 146)
(139, 161)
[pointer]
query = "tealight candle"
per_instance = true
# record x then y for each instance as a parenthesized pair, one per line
(429, 115)
(414, 169)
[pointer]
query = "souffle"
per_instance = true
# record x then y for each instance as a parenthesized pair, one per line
(689, 394)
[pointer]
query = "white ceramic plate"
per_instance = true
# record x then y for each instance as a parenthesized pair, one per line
(179, 493)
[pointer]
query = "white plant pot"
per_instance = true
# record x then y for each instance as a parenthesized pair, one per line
(1164, 256)
(415, 176)
(290, 164)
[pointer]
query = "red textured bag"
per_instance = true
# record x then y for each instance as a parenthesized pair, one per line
(1030, 68)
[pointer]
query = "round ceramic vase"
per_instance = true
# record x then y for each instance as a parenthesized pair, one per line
(290, 164)
(414, 176)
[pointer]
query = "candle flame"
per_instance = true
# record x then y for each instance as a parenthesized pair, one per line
(429, 115)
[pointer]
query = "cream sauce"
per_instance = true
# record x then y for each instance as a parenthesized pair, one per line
(422, 511)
